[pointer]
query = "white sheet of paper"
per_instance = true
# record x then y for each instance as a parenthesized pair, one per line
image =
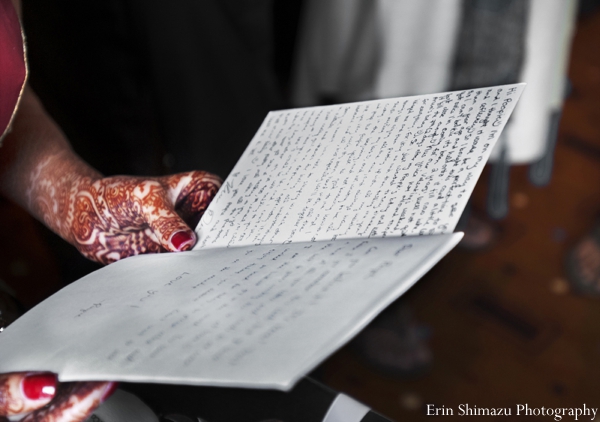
(256, 316)
(404, 166)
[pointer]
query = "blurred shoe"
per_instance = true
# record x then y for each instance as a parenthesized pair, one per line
(479, 234)
(583, 264)
(395, 344)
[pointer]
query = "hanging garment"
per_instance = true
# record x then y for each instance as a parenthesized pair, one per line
(549, 32)
(490, 51)
(490, 44)
(338, 52)
(351, 50)
(418, 40)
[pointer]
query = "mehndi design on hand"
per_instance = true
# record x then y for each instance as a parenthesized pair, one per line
(111, 218)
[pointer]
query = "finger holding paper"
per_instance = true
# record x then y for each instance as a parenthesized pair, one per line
(117, 217)
(191, 193)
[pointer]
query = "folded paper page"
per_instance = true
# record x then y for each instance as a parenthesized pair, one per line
(257, 316)
(403, 166)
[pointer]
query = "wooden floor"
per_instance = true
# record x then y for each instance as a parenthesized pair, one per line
(505, 329)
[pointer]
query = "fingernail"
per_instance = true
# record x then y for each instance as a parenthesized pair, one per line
(39, 386)
(182, 240)
(110, 389)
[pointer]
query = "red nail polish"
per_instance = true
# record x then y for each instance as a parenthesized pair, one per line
(39, 386)
(182, 239)
(112, 387)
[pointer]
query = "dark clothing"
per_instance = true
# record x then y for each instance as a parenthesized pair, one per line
(133, 81)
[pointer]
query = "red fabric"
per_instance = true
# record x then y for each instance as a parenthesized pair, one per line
(12, 62)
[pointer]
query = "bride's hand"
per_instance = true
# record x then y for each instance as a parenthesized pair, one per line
(115, 217)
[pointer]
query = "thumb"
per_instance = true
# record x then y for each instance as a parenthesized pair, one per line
(170, 230)
(25, 392)
(191, 193)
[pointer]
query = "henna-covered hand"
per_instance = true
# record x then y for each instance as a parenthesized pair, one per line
(105, 218)
(38, 397)
(111, 218)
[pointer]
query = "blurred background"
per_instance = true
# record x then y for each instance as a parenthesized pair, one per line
(511, 316)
